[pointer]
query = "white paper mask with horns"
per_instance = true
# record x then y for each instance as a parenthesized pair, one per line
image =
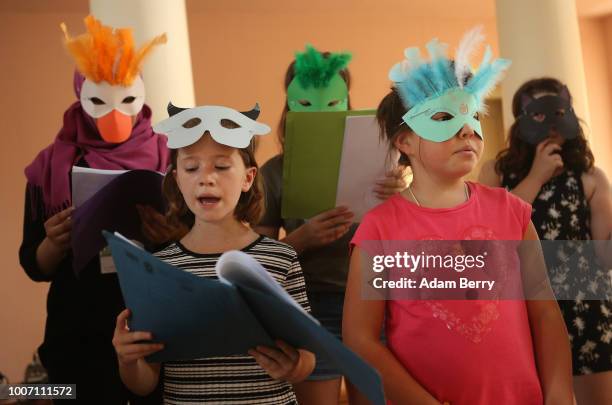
(226, 126)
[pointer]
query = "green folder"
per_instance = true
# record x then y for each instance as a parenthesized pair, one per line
(312, 151)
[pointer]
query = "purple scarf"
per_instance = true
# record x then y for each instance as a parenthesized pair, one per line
(49, 174)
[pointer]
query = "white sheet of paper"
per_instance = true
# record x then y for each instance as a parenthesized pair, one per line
(239, 268)
(365, 159)
(86, 182)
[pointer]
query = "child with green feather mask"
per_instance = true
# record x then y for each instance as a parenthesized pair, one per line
(317, 84)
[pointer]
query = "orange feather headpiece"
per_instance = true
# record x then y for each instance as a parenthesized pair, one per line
(107, 54)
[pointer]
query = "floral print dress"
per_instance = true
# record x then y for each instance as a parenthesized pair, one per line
(561, 212)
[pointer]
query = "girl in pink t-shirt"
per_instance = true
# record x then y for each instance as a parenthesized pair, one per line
(442, 351)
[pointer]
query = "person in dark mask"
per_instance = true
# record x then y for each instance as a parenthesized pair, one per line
(549, 164)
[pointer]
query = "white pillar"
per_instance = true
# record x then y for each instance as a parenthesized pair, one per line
(167, 69)
(542, 38)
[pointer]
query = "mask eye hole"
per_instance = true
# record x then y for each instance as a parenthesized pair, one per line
(305, 103)
(96, 101)
(129, 100)
(477, 117)
(192, 122)
(538, 117)
(333, 103)
(560, 112)
(228, 124)
(442, 116)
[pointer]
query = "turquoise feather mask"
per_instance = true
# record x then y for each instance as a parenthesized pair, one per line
(441, 85)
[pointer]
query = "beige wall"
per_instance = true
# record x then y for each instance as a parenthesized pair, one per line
(596, 35)
(36, 85)
(268, 36)
(240, 50)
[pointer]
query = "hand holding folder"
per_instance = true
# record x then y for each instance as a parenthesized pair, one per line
(201, 317)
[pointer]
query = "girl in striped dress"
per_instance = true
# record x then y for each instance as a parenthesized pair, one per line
(212, 186)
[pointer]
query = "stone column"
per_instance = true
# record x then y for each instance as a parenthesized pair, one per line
(542, 38)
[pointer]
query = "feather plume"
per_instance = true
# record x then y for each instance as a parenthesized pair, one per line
(417, 80)
(486, 78)
(468, 45)
(313, 69)
(106, 54)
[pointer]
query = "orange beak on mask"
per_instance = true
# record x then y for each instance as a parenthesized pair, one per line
(115, 127)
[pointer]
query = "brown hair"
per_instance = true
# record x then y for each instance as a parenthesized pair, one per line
(250, 205)
(289, 75)
(517, 158)
(390, 123)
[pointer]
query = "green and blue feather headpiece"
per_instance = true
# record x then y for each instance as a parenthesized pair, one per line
(428, 87)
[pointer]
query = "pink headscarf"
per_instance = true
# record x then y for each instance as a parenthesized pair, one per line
(49, 174)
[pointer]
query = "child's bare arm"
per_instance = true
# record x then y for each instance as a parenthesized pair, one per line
(550, 338)
(139, 376)
(552, 351)
(361, 327)
(600, 204)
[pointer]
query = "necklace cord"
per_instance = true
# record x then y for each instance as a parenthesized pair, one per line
(465, 189)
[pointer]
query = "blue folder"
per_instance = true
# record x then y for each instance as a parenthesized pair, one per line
(201, 317)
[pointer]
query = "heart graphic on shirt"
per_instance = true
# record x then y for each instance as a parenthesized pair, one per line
(474, 322)
(478, 232)
(471, 318)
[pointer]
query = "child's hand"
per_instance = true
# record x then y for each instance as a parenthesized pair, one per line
(327, 227)
(394, 182)
(284, 362)
(155, 227)
(58, 228)
(125, 342)
(546, 162)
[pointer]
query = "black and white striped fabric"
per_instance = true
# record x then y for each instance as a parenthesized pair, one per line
(232, 379)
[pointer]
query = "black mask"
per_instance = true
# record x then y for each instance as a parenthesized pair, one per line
(553, 112)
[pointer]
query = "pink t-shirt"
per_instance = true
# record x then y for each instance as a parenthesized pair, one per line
(464, 352)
